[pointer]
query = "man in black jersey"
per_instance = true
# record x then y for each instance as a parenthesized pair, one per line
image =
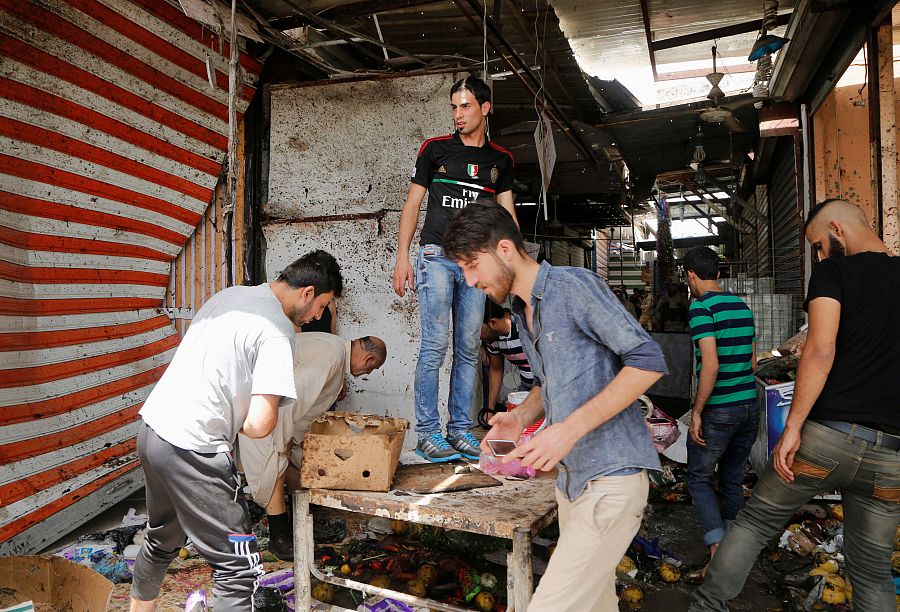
(843, 429)
(456, 170)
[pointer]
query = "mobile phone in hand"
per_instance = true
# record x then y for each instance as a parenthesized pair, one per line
(501, 447)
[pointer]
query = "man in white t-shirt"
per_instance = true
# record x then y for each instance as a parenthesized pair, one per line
(232, 370)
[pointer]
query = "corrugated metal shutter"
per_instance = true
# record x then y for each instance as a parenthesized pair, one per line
(763, 242)
(111, 143)
(787, 261)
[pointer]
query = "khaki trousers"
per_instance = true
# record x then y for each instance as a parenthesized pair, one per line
(595, 531)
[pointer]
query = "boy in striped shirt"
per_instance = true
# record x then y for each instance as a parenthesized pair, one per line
(725, 416)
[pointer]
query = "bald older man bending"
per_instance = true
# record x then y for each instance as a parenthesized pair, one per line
(843, 429)
(320, 364)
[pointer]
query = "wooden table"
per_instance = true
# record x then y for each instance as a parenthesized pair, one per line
(516, 510)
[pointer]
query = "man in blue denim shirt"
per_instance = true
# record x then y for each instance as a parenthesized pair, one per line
(594, 361)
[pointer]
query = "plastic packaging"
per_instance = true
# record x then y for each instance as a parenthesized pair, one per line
(489, 464)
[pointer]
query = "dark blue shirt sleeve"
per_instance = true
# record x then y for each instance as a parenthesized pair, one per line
(600, 315)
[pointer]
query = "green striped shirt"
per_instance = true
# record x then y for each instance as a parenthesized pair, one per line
(727, 318)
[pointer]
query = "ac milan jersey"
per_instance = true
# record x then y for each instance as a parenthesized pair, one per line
(457, 175)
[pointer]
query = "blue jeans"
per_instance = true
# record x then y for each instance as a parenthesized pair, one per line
(868, 476)
(443, 292)
(729, 434)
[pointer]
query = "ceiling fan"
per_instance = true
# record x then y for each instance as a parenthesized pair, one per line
(716, 113)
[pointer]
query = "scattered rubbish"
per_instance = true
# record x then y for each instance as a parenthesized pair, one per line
(196, 602)
(633, 595)
(663, 429)
(131, 551)
(132, 519)
(112, 566)
(384, 604)
(380, 525)
(328, 530)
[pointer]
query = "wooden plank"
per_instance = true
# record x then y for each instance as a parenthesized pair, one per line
(238, 220)
(303, 550)
(521, 569)
(218, 250)
(178, 302)
(197, 275)
(495, 511)
(890, 204)
(209, 262)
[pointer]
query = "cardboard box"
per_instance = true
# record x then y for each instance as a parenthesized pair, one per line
(52, 583)
(352, 451)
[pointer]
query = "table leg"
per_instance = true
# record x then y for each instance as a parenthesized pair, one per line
(302, 551)
(521, 573)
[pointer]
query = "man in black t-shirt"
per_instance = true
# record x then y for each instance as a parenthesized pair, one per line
(456, 170)
(843, 429)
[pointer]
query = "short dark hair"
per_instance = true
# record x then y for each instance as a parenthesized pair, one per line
(378, 349)
(477, 229)
(475, 86)
(815, 210)
(318, 270)
(702, 261)
(493, 310)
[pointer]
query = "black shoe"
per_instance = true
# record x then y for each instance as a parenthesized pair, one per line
(281, 538)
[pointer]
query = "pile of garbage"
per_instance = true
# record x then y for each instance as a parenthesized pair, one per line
(420, 560)
(110, 553)
(824, 586)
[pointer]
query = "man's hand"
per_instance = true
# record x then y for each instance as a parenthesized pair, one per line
(403, 276)
(504, 426)
(784, 452)
(546, 449)
(343, 392)
(697, 428)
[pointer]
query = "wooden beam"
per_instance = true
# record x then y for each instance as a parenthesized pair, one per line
(731, 30)
(702, 72)
(343, 12)
(645, 17)
(887, 151)
(348, 33)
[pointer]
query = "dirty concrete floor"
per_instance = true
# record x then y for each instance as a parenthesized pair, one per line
(673, 523)
(676, 526)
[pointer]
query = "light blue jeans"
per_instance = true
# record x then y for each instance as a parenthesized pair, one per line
(868, 476)
(443, 292)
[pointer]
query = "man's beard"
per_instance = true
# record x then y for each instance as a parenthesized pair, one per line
(302, 315)
(835, 248)
(504, 284)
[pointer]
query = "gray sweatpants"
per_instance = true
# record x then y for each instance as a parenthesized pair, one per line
(195, 495)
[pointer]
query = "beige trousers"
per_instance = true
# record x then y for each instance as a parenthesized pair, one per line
(595, 531)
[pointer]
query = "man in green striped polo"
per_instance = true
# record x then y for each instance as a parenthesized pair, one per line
(725, 417)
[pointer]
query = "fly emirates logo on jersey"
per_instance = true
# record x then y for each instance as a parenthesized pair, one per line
(468, 197)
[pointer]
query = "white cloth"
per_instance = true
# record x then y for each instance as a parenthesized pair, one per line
(320, 364)
(239, 344)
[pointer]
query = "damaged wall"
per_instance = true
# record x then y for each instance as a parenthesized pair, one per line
(349, 149)
(842, 150)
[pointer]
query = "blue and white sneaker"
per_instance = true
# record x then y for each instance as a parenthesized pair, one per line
(436, 449)
(467, 445)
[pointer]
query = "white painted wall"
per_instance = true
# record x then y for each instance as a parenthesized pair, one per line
(350, 148)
